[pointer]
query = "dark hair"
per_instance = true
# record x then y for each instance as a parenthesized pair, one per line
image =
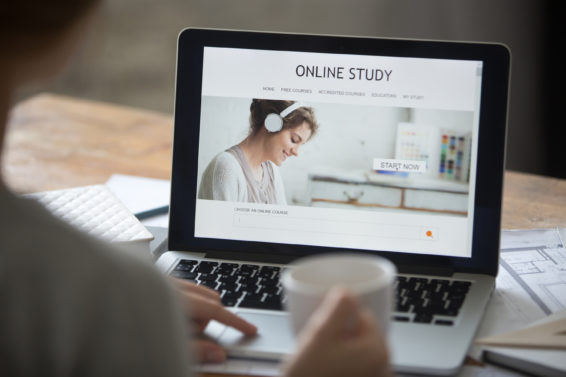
(37, 21)
(261, 108)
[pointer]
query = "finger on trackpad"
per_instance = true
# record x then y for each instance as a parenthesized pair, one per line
(273, 341)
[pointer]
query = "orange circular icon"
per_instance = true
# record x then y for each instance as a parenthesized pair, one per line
(429, 233)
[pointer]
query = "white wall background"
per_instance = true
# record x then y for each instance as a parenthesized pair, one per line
(348, 139)
(458, 121)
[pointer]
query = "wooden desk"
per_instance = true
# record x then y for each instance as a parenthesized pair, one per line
(58, 142)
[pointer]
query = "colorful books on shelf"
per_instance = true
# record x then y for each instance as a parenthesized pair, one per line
(446, 151)
(454, 156)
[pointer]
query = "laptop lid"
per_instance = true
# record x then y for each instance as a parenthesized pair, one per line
(407, 162)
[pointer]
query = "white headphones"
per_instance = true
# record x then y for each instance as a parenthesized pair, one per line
(274, 122)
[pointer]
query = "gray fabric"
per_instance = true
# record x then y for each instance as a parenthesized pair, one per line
(74, 306)
(229, 177)
(258, 192)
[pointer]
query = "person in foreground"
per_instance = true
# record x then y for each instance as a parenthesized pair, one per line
(73, 306)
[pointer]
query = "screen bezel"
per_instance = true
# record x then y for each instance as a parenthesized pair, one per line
(491, 140)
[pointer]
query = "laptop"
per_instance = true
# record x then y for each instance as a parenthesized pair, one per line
(381, 146)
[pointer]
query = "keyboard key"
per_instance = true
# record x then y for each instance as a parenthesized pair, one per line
(230, 298)
(459, 283)
(254, 296)
(184, 267)
(435, 296)
(270, 297)
(228, 286)
(402, 308)
(444, 322)
(269, 282)
(416, 302)
(228, 265)
(224, 271)
(414, 294)
(423, 317)
(232, 294)
(207, 277)
(206, 267)
(460, 297)
(274, 305)
(401, 318)
(251, 296)
(184, 275)
(273, 301)
(191, 262)
(459, 288)
(437, 307)
(250, 304)
(450, 312)
(428, 287)
(247, 280)
(270, 289)
(267, 272)
(229, 301)
(440, 285)
(249, 267)
(455, 304)
(250, 288)
(244, 273)
(209, 284)
(227, 278)
(253, 303)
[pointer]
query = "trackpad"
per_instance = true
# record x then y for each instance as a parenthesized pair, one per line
(274, 340)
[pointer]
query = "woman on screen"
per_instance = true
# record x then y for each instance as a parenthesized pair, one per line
(248, 171)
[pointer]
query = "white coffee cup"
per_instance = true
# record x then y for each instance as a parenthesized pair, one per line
(370, 278)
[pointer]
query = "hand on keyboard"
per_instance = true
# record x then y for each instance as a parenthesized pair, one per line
(340, 339)
(202, 305)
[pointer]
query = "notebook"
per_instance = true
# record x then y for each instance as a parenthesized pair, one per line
(97, 211)
(288, 145)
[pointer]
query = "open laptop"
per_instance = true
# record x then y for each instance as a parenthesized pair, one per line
(407, 164)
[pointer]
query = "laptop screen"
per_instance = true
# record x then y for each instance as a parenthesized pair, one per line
(298, 144)
(381, 157)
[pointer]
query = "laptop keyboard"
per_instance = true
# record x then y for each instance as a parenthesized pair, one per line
(418, 299)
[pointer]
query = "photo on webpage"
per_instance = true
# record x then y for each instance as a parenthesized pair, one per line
(343, 156)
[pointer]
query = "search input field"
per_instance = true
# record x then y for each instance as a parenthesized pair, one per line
(322, 226)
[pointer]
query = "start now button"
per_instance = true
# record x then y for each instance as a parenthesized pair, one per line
(405, 166)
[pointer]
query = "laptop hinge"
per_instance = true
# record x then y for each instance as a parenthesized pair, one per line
(251, 257)
(426, 270)
(285, 259)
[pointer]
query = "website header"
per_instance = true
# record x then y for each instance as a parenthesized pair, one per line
(341, 78)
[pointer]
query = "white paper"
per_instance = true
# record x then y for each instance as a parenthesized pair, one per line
(141, 194)
(532, 267)
(536, 259)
